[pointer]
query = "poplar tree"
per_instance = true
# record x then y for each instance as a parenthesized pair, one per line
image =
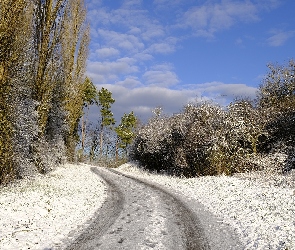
(43, 50)
(75, 43)
(15, 32)
(49, 20)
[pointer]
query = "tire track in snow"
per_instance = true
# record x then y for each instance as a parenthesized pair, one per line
(186, 219)
(140, 215)
(107, 215)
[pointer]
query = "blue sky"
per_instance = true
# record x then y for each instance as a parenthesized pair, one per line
(167, 53)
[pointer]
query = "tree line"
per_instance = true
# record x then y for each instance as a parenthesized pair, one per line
(207, 139)
(43, 89)
(43, 51)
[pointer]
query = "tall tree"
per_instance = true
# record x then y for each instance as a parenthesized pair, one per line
(49, 19)
(90, 96)
(107, 118)
(43, 49)
(75, 41)
(125, 131)
(15, 34)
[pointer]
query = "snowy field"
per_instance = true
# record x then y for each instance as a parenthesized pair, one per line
(46, 212)
(261, 209)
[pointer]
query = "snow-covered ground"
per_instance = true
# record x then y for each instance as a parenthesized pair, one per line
(261, 209)
(45, 212)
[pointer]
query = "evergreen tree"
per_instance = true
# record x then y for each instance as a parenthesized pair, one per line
(125, 131)
(90, 96)
(107, 118)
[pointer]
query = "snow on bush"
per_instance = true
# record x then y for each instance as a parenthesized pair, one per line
(202, 140)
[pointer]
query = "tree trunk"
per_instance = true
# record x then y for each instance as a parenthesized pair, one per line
(101, 141)
(117, 148)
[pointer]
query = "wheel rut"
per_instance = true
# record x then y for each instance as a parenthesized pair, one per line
(140, 215)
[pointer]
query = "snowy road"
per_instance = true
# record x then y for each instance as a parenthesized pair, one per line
(140, 215)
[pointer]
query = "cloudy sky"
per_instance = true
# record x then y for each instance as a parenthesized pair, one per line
(167, 53)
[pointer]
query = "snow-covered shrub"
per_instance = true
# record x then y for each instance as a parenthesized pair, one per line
(148, 146)
(276, 98)
(180, 144)
(202, 140)
(282, 140)
(204, 150)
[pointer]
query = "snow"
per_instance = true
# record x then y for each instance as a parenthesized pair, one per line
(48, 211)
(261, 209)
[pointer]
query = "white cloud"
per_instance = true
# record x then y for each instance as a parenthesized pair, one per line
(161, 2)
(132, 3)
(144, 99)
(268, 4)
(153, 31)
(219, 90)
(128, 60)
(163, 67)
(129, 82)
(168, 4)
(143, 56)
(162, 78)
(165, 47)
(161, 48)
(99, 16)
(130, 18)
(207, 19)
(107, 52)
(239, 41)
(104, 72)
(91, 4)
(127, 42)
(134, 30)
(279, 37)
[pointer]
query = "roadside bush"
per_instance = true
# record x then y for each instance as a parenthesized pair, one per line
(276, 98)
(202, 140)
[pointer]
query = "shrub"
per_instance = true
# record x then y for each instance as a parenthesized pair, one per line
(202, 140)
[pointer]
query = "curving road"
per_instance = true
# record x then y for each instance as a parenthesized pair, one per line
(140, 215)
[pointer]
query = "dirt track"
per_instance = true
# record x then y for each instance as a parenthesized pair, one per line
(140, 215)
